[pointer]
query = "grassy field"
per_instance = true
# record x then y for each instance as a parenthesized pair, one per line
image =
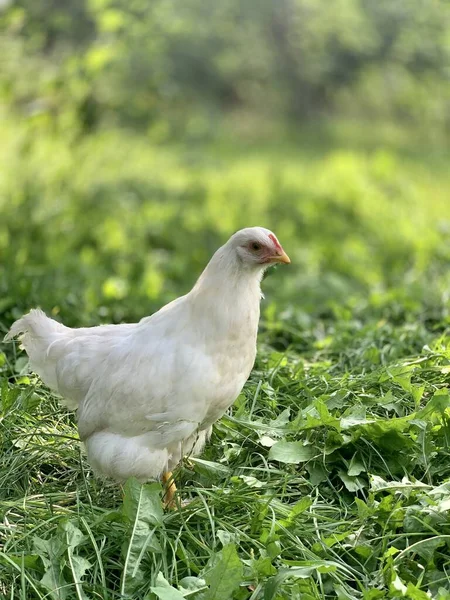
(330, 476)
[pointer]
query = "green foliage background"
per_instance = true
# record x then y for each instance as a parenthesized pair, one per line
(135, 138)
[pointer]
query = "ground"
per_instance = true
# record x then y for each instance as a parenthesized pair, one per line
(330, 475)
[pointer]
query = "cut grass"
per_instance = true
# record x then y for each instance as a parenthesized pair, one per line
(330, 477)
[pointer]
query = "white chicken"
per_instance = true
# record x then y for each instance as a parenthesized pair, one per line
(148, 393)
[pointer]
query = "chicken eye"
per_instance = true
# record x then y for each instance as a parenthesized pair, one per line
(255, 246)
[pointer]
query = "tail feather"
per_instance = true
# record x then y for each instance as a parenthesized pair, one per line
(37, 332)
(31, 323)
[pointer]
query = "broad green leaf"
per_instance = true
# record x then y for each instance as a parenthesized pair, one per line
(417, 392)
(356, 466)
(300, 507)
(79, 567)
(212, 470)
(30, 561)
(397, 585)
(379, 484)
(282, 419)
(345, 593)
(441, 490)
(427, 548)
(357, 416)
(364, 551)
(191, 585)
(225, 574)
(273, 584)
(52, 555)
(31, 402)
(54, 582)
(317, 472)
(324, 415)
(271, 543)
(364, 511)
(74, 537)
(142, 506)
(438, 403)
(267, 441)
(291, 452)
(353, 484)
(335, 440)
(21, 365)
(262, 567)
(314, 419)
(414, 593)
(300, 572)
(143, 502)
(78, 564)
(226, 537)
(400, 374)
(252, 481)
(331, 540)
(337, 399)
(389, 434)
(390, 402)
(9, 395)
(164, 590)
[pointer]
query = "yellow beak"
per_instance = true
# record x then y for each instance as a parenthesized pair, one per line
(284, 258)
(281, 258)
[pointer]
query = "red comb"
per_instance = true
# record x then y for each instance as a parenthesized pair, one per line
(275, 241)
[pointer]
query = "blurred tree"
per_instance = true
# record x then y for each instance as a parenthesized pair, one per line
(179, 66)
(49, 23)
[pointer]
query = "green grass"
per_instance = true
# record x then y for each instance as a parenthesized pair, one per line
(330, 476)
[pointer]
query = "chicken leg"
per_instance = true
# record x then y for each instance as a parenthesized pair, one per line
(171, 488)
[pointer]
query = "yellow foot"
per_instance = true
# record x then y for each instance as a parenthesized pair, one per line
(171, 488)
